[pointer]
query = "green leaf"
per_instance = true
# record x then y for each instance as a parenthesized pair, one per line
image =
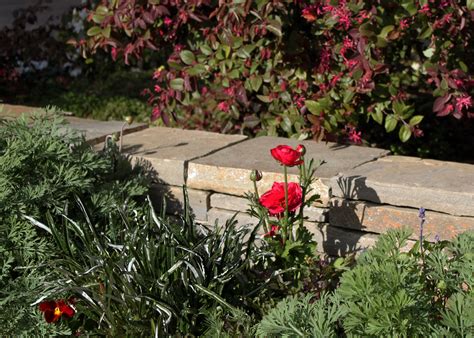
(313, 107)
(377, 115)
(102, 10)
(234, 74)
(409, 6)
(98, 18)
(187, 57)
(197, 70)
(226, 50)
(386, 30)
(256, 83)
(264, 98)
(93, 31)
(404, 133)
(463, 66)
(470, 5)
(348, 96)
(416, 120)
(205, 49)
(390, 123)
(398, 107)
(177, 84)
(425, 33)
(106, 32)
(275, 30)
(429, 52)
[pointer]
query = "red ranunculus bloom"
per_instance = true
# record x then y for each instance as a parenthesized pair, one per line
(54, 309)
(274, 199)
(286, 155)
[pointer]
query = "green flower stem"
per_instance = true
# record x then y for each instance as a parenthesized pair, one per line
(285, 222)
(302, 168)
(257, 196)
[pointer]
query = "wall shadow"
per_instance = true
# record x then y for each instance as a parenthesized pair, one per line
(345, 231)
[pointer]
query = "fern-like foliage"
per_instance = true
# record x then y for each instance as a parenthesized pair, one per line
(390, 293)
(303, 317)
(43, 166)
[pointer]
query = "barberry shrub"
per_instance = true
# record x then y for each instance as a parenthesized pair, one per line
(299, 68)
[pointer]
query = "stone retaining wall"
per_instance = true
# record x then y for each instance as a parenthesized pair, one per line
(364, 191)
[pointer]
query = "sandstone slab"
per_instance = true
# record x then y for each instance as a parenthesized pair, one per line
(174, 198)
(375, 218)
(335, 241)
(221, 216)
(228, 171)
(169, 149)
(235, 203)
(411, 182)
(94, 131)
(331, 240)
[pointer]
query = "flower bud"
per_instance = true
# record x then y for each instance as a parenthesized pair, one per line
(255, 175)
(301, 149)
(129, 119)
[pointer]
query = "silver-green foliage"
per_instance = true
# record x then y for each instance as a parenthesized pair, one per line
(391, 293)
(43, 166)
(151, 275)
(303, 317)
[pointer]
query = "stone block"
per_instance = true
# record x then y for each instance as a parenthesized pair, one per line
(375, 218)
(235, 203)
(168, 150)
(335, 241)
(222, 215)
(198, 200)
(331, 240)
(411, 182)
(228, 170)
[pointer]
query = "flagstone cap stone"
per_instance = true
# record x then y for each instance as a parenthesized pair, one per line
(94, 131)
(228, 170)
(170, 149)
(411, 182)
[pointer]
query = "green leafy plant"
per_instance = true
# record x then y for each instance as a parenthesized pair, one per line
(43, 166)
(149, 275)
(391, 292)
(375, 71)
(303, 317)
(289, 258)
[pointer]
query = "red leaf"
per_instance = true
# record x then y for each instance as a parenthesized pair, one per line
(440, 103)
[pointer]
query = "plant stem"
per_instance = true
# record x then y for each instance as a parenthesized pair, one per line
(257, 197)
(287, 225)
(303, 188)
(121, 136)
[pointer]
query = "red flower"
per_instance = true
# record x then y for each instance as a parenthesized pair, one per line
(274, 199)
(224, 106)
(286, 155)
(54, 309)
(273, 231)
(355, 136)
(167, 21)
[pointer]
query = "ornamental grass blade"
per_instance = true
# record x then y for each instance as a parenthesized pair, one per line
(216, 297)
(38, 224)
